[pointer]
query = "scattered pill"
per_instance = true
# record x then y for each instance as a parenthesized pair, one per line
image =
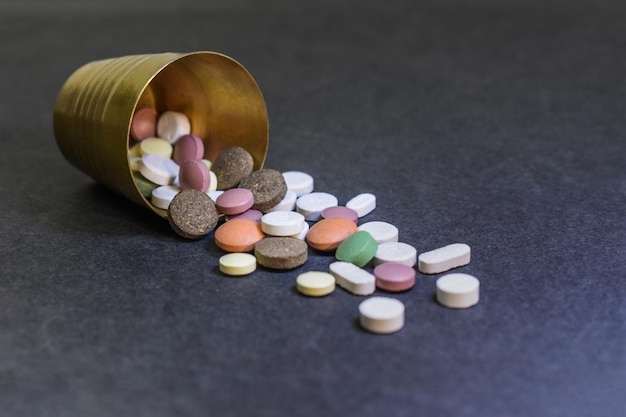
(458, 290)
(231, 166)
(163, 195)
(340, 211)
(194, 174)
(134, 151)
(213, 181)
(299, 182)
(171, 125)
(156, 146)
(192, 214)
(188, 148)
(158, 169)
(235, 201)
(394, 277)
(288, 203)
(382, 232)
(282, 223)
(144, 186)
(143, 124)
(208, 163)
(133, 163)
(237, 264)
(281, 252)
(353, 279)
(327, 234)
(363, 204)
(238, 235)
(315, 283)
(250, 214)
(397, 252)
(381, 315)
(311, 205)
(359, 248)
(303, 234)
(215, 194)
(268, 187)
(444, 259)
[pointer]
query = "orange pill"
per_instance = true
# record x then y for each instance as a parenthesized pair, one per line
(238, 235)
(327, 234)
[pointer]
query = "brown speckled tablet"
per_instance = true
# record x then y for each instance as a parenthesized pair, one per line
(231, 166)
(192, 214)
(268, 187)
(281, 252)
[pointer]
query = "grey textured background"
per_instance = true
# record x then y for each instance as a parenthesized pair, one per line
(500, 124)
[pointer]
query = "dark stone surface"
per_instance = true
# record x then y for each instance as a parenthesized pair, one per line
(500, 124)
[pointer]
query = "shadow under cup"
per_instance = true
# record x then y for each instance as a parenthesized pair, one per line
(95, 106)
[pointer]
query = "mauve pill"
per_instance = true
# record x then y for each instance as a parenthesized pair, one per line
(251, 214)
(340, 211)
(394, 277)
(235, 201)
(143, 124)
(194, 175)
(188, 148)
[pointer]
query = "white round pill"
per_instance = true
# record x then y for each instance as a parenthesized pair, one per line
(363, 204)
(458, 290)
(172, 125)
(288, 203)
(237, 264)
(381, 315)
(162, 196)
(282, 223)
(311, 205)
(158, 169)
(381, 231)
(396, 252)
(298, 182)
(303, 233)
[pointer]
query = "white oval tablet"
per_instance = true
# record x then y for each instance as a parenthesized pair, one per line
(381, 315)
(162, 196)
(311, 205)
(237, 264)
(212, 181)
(458, 290)
(363, 204)
(381, 231)
(288, 203)
(315, 283)
(158, 169)
(282, 223)
(298, 182)
(444, 259)
(396, 252)
(352, 278)
(171, 125)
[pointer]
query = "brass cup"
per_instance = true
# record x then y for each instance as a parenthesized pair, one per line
(95, 106)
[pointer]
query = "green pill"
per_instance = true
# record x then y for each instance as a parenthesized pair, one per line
(359, 248)
(144, 186)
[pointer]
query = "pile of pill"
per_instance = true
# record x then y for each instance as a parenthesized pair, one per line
(273, 219)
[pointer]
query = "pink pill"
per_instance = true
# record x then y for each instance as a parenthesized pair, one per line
(195, 175)
(143, 124)
(188, 148)
(235, 201)
(251, 214)
(394, 277)
(339, 211)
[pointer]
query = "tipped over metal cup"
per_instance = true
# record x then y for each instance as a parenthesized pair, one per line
(94, 110)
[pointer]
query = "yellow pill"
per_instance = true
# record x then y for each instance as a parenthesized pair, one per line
(237, 264)
(134, 151)
(315, 283)
(156, 146)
